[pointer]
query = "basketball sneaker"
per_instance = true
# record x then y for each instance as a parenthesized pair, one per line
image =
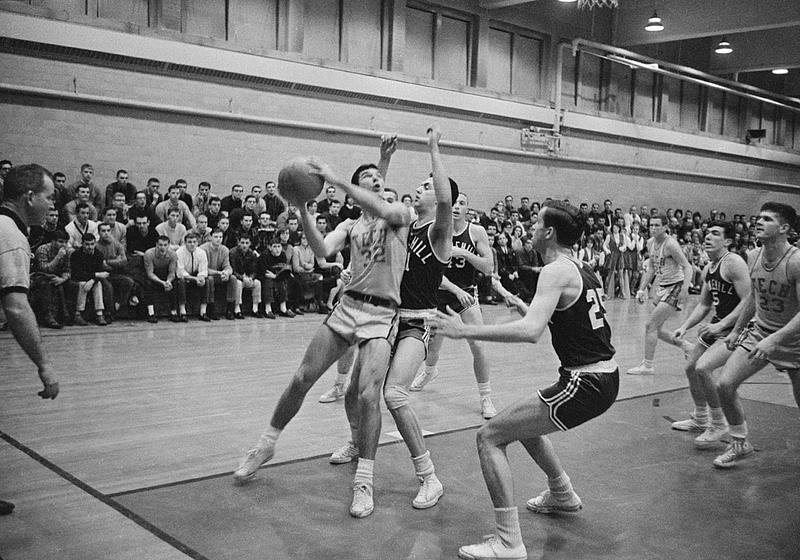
(423, 378)
(491, 548)
(738, 449)
(711, 436)
(344, 454)
(252, 461)
(547, 503)
(641, 369)
(430, 490)
(333, 394)
(691, 424)
(362, 504)
(487, 408)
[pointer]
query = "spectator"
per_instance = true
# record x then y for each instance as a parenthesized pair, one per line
(264, 233)
(228, 237)
(174, 202)
(333, 217)
(50, 277)
(119, 204)
(247, 209)
(275, 271)
(214, 212)
(202, 198)
(281, 222)
(247, 230)
(257, 191)
(121, 185)
(244, 263)
(350, 211)
(44, 234)
(529, 265)
(116, 264)
(140, 237)
(524, 210)
(614, 245)
(219, 272)
(303, 263)
(154, 196)
(324, 205)
(273, 204)
(95, 196)
(191, 275)
(141, 208)
(160, 265)
(172, 229)
(233, 200)
(201, 229)
(185, 197)
(5, 167)
(118, 231)
(86, 265)
(82, 195)
(507, 265)
(80, 226)
(60, 183)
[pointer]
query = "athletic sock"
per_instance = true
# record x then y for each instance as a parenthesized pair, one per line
(341, 378)
(701, 413)
(507, 522)
(423, 464)
(484, 389)
(739, 430)
(364, 471)
(717, 416)
(648, 363)
(560, 487)
(269, 437)
(429, 369)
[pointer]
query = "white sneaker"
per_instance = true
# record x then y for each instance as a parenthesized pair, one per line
(487, 408)
(362, 504)
(547, 503)
(711, 436)
(641, 369)
(737, 449)
(423, 378)
(344, 454)
(430, 490)
(691, 424)
(492, 548)
(252, 461)
(333, 394)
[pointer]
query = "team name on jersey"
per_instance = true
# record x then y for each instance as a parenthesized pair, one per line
(460, 262)
(371, 244)
(721, 287)
(418, 247)
(771, 287)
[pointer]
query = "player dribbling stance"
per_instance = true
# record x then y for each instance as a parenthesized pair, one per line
(570, 298)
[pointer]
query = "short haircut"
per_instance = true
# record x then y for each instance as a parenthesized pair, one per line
(5, 162)
(110, 209)
(360, 169)
(102, 225)
(237, 186)
(786, 213)
(214, 199)
(58, 174)
(190, 235)
(276, 240)
(59, 235)
(143, 217)
(163, 238)
(268, 183)
(249, 196)
(173, 187)
(23, 179)
(174, 210)
(335, 201)
(565, 219)
(662, 217)
(728, 231)
(121, 171)
(153, 180)
(181, 181)
(204, 184)
(217, 230)
(80, 206)
(86, 166)
(88, 237)
(84, 187)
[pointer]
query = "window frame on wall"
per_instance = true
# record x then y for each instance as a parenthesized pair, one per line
(440, 12)
(517, 31)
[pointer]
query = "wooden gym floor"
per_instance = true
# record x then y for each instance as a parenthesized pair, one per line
(132, 459)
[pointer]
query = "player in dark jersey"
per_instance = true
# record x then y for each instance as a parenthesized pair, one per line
(570, 298)
(471, 254)
(726, 284)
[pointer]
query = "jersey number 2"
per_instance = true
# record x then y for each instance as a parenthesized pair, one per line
(596, 311)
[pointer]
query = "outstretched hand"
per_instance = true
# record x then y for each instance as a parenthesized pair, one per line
(388, 145)
(434, 134)
(447, 324)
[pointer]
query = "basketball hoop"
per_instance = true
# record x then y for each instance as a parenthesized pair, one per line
(589, 4)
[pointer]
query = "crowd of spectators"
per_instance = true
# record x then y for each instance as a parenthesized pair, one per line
(141, 252)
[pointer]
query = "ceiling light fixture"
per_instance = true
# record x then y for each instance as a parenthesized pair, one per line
(724, 47)
(654, 23)
(780, 71)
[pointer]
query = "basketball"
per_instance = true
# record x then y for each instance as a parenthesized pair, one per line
(297, 184)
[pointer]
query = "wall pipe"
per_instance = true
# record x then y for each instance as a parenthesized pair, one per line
(271, 121)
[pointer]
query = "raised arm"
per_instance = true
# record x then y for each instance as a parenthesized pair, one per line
(331, 243)
(388, 147)
(441, 233)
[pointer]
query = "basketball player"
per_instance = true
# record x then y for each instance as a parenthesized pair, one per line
(726, 284)
(673, 271)
(29, 193)
(569, 298)
(429, 244)
(773, 334)
(471, 254)
(366, 315)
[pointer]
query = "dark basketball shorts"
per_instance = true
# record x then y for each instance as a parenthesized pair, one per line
(669, 294)
(707, 340)
(579, 396)
(414, 327)
(448, 299)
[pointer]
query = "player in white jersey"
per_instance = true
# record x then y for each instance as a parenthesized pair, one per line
(726, 284)
(366, 315)
(673, 272)
(773, 334)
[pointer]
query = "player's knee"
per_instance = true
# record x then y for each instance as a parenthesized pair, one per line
(724, 388)
(395, 396)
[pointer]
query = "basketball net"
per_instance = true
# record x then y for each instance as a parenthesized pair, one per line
(589, 4)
